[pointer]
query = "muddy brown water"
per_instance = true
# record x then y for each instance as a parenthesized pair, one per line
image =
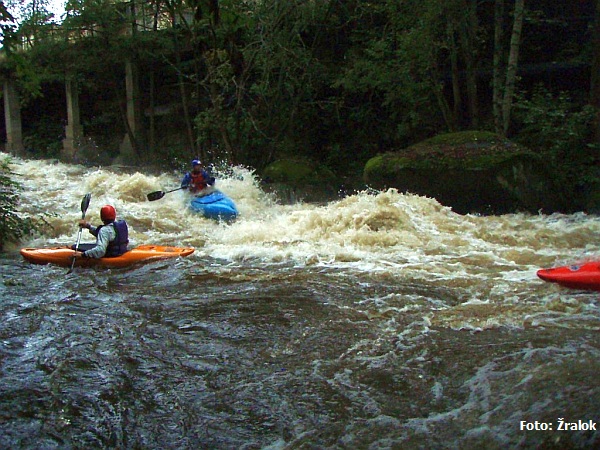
(378, 321)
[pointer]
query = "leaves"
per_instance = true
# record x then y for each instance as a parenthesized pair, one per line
(257, 79)
(13, 227)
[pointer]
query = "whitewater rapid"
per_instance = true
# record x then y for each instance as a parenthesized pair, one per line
(379, 320)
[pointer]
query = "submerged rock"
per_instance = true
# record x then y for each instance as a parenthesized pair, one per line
(297, 179)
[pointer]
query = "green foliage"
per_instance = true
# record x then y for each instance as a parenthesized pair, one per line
(34, 29)
(333, 82)
(44, 138)
(261, 87)
(561, 130)
(13, 227)
(390, 80)
(552, 121)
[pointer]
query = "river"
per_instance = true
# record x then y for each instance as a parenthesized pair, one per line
(379, 321)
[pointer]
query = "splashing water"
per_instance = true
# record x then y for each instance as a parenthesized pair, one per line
(380, 320)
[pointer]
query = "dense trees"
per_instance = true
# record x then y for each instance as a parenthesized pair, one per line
(335, 81)
(595, 82)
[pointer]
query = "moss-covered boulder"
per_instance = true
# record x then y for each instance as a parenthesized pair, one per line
(470, 171)
(296, 179)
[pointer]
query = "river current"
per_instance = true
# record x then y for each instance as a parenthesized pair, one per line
(382, 320)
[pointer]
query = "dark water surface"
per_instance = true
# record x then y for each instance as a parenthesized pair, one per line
(380, 321)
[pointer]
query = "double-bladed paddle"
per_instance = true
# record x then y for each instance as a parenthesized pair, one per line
(157, 195)
(85, 202)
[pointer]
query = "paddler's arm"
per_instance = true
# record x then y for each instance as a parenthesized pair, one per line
(92, 229)
(105, 235)
(186, 180)
(208, 178)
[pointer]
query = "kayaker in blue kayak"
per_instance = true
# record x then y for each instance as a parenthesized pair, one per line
(198, 181)
(111, 238)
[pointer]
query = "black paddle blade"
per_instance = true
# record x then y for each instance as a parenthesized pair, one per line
(157, 195)
(85, 202)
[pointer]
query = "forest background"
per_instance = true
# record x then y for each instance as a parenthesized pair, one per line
(331, 82)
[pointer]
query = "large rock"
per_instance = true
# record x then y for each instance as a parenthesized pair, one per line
(472, 172)
(298, 179)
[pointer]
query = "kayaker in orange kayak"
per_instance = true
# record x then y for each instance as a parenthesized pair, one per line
(111, 238)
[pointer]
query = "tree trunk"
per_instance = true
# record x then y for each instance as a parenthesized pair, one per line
(452, 119)
(130, 128)
(152, 117)
(497, 81)
(511, 68)
(152, 90)
(172, 8)
(468, 36)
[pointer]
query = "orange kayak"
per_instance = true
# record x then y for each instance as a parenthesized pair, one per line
(577, 276)
(63, 256)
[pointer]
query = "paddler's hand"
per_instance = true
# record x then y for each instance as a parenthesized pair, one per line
(84, 224)
(80, 255)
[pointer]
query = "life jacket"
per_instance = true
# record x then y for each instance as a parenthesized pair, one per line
(198, 181)
(118, 245)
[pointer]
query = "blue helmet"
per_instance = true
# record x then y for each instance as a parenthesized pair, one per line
(196, 162)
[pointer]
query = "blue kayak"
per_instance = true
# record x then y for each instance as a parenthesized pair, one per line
(215, 206)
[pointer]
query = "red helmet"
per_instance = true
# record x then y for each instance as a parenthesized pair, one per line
(108, 213)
